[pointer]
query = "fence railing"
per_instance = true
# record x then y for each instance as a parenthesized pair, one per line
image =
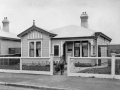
(31, 65)
(101, 67)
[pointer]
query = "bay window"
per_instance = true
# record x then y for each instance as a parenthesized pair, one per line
(81, 49)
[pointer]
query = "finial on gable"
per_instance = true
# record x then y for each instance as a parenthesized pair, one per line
(33, 22)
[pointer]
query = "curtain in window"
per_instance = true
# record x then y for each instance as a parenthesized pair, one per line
(77, 53)
(77, 49)
(85, 49)
(31, 49)
(38, 49)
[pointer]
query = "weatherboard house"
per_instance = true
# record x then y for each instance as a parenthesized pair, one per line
(8, 40)
(76, 41)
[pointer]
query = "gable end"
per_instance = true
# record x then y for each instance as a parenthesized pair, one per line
(32, 28)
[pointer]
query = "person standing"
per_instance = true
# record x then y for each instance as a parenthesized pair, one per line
(57, 68)
(62, 62)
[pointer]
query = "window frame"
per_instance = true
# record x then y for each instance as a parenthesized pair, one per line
(35, 41)
(78, 48)
(32, 49)
(59, 50)
(87, 48)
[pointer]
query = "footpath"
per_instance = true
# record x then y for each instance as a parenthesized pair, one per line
(58, 82)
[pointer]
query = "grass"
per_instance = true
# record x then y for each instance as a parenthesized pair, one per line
(36, 68)
(25, 67)
(11, 67)
(105, 70)
(83, 65)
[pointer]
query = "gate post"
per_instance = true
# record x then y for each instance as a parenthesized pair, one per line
(68, 64)
(51, 64)
(113, 65)
(20, 64)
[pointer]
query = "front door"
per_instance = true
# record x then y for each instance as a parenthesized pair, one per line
(69, 49)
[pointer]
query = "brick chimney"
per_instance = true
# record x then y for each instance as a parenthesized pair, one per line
(5, 24)
(84, 20)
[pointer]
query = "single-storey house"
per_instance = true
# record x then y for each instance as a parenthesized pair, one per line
(8, 40)
(76, 41)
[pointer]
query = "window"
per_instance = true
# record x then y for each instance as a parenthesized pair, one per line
(31, 52)
(35, 49)
(56, 50)
(85, 49)
(38, 49)
(93, 50)
(77, 49)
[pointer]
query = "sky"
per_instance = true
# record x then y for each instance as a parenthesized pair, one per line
(104, 15)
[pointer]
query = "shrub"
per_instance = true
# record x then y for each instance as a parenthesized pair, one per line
(83, 65)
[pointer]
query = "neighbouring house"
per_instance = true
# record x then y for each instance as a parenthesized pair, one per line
(9, 42)
(76, 41)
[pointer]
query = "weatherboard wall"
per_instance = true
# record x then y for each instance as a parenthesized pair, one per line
(6, 44)
(45, 45)
(24, 46)
(103, 41)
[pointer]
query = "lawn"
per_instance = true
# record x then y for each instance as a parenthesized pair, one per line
(36, 68)
(11, 67)
(105, 70)
(25, 67)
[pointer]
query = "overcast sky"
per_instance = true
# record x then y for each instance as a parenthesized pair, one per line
(104, 15)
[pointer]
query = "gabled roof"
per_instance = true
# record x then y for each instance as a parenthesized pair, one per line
(8, 35)
(72, 31)
(33, 27)
(102, 35)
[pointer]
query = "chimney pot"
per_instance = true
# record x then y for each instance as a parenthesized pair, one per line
(84, 20)
(5, 24)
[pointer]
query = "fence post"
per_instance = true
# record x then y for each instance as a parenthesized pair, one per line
(68, 66)
(113, 65)
(20, 64)
(51, 64)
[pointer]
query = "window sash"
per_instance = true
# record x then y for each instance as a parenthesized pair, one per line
(31, 53)
(56, 50)
(38, 49)
(84, 49)
(77, 49)
(31, 49)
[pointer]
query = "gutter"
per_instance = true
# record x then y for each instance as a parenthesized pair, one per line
(87, 37)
